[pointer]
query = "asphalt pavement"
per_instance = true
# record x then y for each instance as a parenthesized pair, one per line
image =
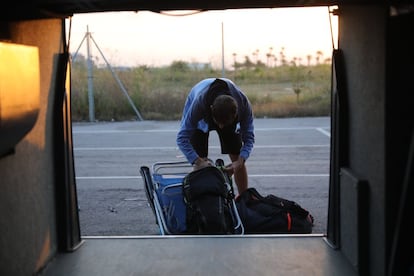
(290, 159)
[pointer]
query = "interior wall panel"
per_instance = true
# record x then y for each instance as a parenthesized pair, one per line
(27, 220)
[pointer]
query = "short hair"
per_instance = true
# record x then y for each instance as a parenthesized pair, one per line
(224, 109)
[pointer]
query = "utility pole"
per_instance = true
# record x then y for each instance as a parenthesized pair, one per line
(223, 72)
(89, 38)
(90, 77)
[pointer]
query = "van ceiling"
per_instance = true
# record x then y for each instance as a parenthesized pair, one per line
(32, 9)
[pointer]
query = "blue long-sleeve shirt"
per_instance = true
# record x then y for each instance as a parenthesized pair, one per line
(195, 115)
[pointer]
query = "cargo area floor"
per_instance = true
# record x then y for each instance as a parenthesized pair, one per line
(202, 255)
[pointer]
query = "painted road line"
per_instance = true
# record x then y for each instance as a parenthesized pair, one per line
(251, 176)
(323, 131)
(175, 130)
(175, 148)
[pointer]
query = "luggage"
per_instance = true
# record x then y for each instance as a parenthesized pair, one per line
(272, 215)
(202, 202)
(208, 198)
(168, 183)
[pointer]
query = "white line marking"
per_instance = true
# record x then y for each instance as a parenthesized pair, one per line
(158, 236)
(175, 130)
(125, 148)
(108, 177)
(211, 147)
(251, 175)
(327, 133)
(286, 128)
(123, 131)
(288, 175)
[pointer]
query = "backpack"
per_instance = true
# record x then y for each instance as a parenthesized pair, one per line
(272, 215)
(208, 197)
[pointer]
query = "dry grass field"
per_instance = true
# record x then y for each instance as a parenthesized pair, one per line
(159, 93)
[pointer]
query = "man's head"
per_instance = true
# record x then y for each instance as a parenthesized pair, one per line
(224, 110)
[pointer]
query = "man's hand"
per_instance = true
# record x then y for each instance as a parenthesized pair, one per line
(202, 163)
(235, 166)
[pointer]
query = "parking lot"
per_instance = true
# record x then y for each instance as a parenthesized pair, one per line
(290, 159)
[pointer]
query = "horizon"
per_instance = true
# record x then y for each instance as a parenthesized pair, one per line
(157, 40)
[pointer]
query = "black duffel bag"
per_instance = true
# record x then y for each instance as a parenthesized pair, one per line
(272, 215)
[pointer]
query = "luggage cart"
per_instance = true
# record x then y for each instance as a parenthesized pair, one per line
(163, 188)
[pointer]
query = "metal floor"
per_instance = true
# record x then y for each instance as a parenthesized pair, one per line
(202, 255)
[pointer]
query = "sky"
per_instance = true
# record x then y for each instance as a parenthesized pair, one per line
(153, 39)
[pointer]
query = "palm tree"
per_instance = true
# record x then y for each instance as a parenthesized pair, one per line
(282, 56)
(294, 60)
(234, 61)
(309, 58)
(319, 55)
(247, 62)
(256, 55)
(268, 56)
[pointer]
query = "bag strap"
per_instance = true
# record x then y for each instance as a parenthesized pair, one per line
(251, 194)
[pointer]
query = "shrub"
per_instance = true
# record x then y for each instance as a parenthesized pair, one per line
(160, 93)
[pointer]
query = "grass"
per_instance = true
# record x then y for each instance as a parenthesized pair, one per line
(160, 93)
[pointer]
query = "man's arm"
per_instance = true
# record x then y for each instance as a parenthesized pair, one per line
(245, 119)
(247, 131)
(192, 114)
(183, 139)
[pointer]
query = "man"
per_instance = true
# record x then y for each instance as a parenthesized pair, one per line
(218, 104)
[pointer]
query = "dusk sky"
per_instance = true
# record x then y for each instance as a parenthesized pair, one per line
(147, 38)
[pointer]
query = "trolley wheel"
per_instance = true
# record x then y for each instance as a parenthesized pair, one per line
(149, 186)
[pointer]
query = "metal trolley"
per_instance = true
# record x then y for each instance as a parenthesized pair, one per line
(163, 188)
